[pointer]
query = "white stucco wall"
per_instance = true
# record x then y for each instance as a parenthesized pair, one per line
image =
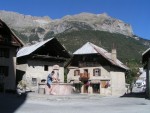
(116, 79)
(118, 83)
(22, 67)
(35, 69)
(70, 75)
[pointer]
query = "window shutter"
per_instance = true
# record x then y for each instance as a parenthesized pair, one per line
(93, 72)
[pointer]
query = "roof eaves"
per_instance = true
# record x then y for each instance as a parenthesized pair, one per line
(145, 51)
(111, 61)
(30, 49)
(21, 42)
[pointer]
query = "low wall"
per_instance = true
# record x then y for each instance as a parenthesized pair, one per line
(56, 89)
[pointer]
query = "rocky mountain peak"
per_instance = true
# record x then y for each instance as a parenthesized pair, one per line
(85, 17)
(20, 21)
(26, 24)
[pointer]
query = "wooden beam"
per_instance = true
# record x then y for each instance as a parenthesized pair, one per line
(48, 57)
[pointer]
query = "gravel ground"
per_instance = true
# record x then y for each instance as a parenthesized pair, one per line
(76, 103)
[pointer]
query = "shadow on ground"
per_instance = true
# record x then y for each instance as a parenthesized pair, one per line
(136, 95)
(10, 102)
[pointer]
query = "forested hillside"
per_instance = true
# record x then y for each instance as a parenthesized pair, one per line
(127, 48)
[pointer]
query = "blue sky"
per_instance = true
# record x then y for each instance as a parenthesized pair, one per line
(134, 12)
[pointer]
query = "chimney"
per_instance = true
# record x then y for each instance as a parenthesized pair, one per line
(114, 54)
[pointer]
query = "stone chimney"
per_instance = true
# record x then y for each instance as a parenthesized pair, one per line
(114, 54)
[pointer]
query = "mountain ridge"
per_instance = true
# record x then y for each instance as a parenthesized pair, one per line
(25, 24)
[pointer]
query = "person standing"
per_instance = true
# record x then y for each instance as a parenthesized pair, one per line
(49, 80)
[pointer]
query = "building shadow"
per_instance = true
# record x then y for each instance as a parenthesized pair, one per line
(10, 102)
(136, 95)
(19, 75)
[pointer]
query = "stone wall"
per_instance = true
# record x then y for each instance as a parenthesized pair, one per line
(56, 89)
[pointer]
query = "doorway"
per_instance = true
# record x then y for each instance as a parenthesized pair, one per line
(96, 88)
(85, 88)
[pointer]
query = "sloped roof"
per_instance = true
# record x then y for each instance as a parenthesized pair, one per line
(90, 48)
(85, 49)
(145, 51)
(145, 56)
(29, 49)
(6, 34)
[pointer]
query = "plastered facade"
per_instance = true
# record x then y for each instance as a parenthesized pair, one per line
(34, 72)
(116, 80)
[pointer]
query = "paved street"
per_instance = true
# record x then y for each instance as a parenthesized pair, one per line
(35, 103)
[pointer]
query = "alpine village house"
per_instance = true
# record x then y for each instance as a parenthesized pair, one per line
(94, 70)
(36, 61)
(9, 45)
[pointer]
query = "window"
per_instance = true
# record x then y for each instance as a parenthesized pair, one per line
(96, 72)
(45, 67)
(4, 71)
(86, 71)
(4, 52)
(34, 81)
(76, 72)
(105, 84)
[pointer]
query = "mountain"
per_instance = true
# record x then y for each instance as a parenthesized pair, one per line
(40, 26)
(32, 29)
(21, 22)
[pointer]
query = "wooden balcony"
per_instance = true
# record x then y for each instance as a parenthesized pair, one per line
(84, 76)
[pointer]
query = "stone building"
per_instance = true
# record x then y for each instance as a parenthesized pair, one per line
(94, 70)
(9, 45)
(35, 62)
